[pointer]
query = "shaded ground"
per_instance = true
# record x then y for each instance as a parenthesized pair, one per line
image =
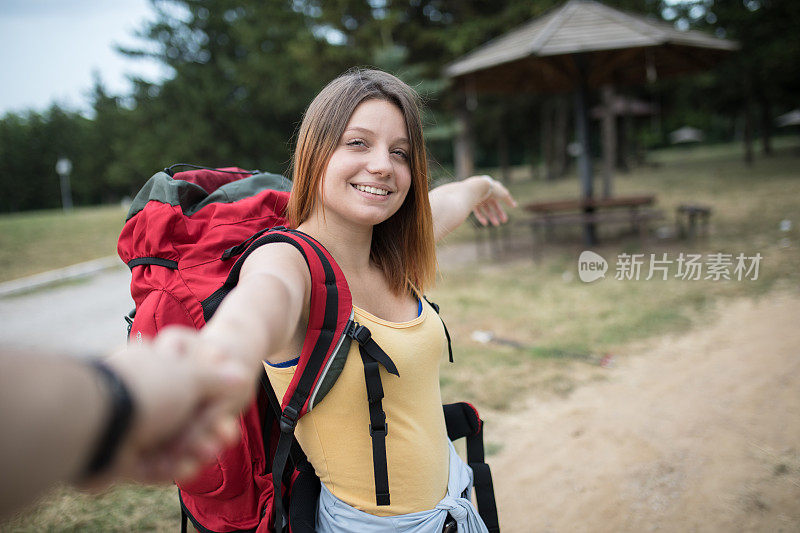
(699, 432)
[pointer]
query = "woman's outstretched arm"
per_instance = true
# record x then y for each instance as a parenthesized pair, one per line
(452, 203)
(260, 316)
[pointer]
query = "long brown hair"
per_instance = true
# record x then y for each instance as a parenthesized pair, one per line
(402, 246)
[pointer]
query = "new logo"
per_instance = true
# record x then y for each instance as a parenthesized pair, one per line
(591, 266)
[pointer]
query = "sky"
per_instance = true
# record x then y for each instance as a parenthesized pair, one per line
(49, 50)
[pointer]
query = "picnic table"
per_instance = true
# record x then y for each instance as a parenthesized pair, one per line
(573, 204)
(635, 210)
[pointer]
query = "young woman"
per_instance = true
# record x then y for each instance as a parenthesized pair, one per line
(361, 189)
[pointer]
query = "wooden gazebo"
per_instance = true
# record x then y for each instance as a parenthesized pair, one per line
(579, 46)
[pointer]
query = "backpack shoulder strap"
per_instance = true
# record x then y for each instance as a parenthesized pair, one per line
(463, 420)
(329, 317)
(330, 312)
(446, 333)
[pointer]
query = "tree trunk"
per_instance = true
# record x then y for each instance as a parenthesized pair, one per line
(463, 148)
(748, 133)
(560, 132)
(546, 126)
(534, 143)
(766, 125)
(623, 145)
(502, 152)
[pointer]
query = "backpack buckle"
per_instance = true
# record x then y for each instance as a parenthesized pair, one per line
(381, 430)
(288, 420)
(129, 319)
(362, 334)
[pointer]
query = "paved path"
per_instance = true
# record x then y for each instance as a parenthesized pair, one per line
(84, 316)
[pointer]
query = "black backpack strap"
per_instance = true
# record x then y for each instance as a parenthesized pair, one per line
(170, 169)
(301, 512)
(446, 333)
(303, 506)
(278, 465)
(373, 357)
(378, 428)
(462, 421)
(273, 412)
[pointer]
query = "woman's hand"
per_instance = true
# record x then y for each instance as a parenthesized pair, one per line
(490, 208)
(452, 203)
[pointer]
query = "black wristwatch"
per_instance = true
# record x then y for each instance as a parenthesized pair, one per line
(119, 419)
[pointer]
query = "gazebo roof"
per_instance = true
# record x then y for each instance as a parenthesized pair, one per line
(586, 26)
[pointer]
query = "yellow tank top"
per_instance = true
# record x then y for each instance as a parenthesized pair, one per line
(335, 434)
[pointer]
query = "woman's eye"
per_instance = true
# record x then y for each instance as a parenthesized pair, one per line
(401, 153)
(355, 142)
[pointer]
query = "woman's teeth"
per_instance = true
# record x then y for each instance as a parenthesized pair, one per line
(371, 190)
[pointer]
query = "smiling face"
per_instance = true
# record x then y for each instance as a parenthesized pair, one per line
(368, 175)
(351, 172)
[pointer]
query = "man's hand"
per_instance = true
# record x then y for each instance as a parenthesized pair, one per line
(187, 398)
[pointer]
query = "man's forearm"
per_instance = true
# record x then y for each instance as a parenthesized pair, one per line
(53, 409)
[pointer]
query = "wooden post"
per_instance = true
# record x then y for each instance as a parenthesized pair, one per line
(560, 132)
(502, 152)
(582, 133)
(463, 146)
(609, 139)
(534, 144)
(766, 125)
(546, 138)
(748, 133)
(625, 129)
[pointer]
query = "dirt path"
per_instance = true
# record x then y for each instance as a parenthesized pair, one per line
(699, 432)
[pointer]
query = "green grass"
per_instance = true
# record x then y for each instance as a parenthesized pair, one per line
(38, 241)
(120, 509)
(561, 325)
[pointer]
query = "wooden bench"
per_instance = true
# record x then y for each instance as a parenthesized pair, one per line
(635, 210)
(577, 204)
(638, 219)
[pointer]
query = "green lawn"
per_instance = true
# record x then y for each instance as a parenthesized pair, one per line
(561, 325)
(38, 241)
(560, 321)
(123, 508)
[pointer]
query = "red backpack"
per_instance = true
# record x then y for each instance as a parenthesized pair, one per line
(185, 239)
